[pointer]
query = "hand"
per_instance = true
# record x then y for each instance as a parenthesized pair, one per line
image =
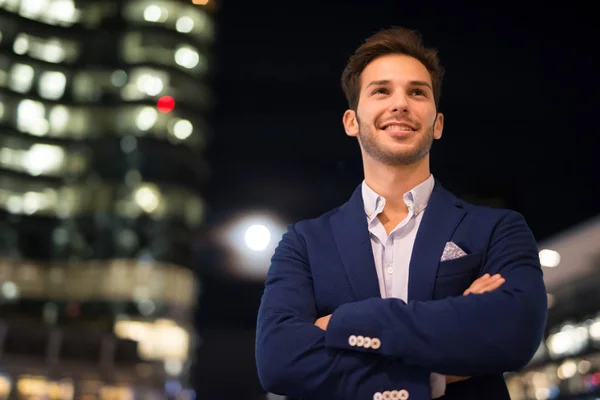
(323, 322)
(486, 283)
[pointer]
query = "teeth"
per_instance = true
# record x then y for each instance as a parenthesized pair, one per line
(397, 128)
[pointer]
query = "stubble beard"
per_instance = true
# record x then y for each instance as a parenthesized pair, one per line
(376, 150)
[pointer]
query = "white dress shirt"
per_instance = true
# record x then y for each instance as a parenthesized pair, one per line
(393, 252)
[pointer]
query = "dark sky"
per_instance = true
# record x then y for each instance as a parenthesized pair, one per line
(519, 97)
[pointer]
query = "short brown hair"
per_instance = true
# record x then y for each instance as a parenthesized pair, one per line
(396, 40)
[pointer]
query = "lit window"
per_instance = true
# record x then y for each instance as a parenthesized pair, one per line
(184, 24)
(32, 8)
(187, 57)
(149, 84)
(52, 85)
(182, 129)
(21, 44)
(30, 118)
(148, 197)
(146, 118)
(59, 119)
(21, 78)
(43, 158)
(154, 13)
(62, 12)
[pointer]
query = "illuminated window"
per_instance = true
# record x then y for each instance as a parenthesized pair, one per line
(52, 85)
(21, 78)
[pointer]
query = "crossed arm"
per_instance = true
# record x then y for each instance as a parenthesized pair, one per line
(485, 283)
(297, 358)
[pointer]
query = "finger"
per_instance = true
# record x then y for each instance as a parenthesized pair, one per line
(493, 285)
(489, 286)
(479, 282)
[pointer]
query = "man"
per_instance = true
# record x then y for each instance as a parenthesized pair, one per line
(379, 298)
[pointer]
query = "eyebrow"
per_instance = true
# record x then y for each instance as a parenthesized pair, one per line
(387, 82)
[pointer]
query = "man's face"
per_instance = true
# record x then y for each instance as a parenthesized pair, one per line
(396, 119)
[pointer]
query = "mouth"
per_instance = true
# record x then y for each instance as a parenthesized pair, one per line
(398, 128)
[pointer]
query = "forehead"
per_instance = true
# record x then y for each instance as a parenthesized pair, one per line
(397, 68)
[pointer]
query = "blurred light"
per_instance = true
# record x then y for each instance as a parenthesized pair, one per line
(21, 78)
(53, 52)
(151, 85)
(173, 367)
(183, 129)
(200, 2)
(148, 198)
(59, 118)
(551, 300)
(257, 237)
(32, 8)
(152, 13)
(14, 204)
(184, 24)
(21, 45)
(549, 258)
(595, 330)
(567, 370)
(165, 104)
(30, 117)
(187, 57)
(146, 118)
(63, 11)
(118, 78)
(146, 307)
(584, 367)
(32, 202)
(52, 85)
(9, 290)
(128, 144)
(1, 109)
(43, 157)
(251, 241)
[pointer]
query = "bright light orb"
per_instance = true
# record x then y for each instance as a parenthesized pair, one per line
(257, 237)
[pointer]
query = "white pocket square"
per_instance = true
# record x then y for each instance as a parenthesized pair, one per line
(452, 252)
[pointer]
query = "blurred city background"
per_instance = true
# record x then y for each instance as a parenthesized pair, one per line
(153, 151)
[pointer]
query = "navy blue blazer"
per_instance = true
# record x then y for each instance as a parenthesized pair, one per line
(325, 266)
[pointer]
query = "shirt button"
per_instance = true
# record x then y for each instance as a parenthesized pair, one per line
(390, 270)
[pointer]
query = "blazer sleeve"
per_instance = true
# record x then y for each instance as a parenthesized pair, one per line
(488, 333)
(291, 355)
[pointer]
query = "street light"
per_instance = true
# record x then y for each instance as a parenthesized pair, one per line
(251, 240)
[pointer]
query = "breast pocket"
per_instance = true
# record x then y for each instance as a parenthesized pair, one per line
(455, 276)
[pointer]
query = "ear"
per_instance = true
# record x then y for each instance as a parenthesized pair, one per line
(438, 126)
(350, 123)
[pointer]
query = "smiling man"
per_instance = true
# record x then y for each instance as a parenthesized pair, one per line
(404, 291)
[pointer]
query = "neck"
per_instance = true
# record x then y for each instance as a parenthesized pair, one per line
(392, 181)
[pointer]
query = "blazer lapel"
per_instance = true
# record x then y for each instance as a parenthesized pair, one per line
(351, 235)
(442, 215)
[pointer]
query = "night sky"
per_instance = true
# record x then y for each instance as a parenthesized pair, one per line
(519, 98)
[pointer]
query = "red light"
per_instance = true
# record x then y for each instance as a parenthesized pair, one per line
(596, 379)
(165, 104)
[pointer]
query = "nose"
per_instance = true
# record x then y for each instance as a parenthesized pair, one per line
(400, 103)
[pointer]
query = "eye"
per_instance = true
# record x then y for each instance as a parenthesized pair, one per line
(417, 92)
(381, 91)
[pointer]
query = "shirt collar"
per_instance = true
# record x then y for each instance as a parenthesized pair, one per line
(417, 198)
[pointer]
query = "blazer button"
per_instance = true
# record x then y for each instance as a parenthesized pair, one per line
(403, 395)
(375, 343)
(360, 341)
(352, 340)
(377, 396)
(367, 343)
(387, 395)
(395, 395)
